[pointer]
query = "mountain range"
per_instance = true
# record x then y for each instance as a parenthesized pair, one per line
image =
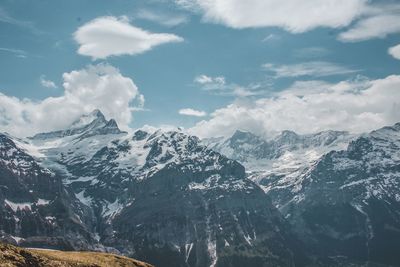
(170, 199)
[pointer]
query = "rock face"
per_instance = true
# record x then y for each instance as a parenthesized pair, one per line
(278, 165)
(168, 198)
(344, 204)
(160, 196)
(35, 207)
(87, 125)
(202, 211)
(349, 205)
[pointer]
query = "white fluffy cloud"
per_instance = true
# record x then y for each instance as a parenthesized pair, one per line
(372, 19)
(293, 15)
(355, 106)
(192, 112)
(47, 83)
(395, 51)
(94, 87)
(312, 68)
(112, 36)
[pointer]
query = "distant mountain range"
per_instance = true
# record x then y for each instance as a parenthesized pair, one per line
(171, 199)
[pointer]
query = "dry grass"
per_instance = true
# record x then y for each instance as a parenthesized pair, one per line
(11, 256)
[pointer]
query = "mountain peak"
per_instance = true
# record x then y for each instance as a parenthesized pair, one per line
(86, 125)
(96, 112)
(289, 133)
(112, 124)
(95, 115)
(287, 137)
(241, 135)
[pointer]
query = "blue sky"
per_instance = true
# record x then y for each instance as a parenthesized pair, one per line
(209, 60)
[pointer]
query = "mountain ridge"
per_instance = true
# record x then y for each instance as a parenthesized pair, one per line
(133, 183)
(345, 204)
(166, 196)
(87, 125)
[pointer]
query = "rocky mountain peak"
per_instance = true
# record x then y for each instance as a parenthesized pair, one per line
(240, 137)
(85, 119)
(140, 135)
(162, 194)
(87, 125)
(239, 134)
(287, 137)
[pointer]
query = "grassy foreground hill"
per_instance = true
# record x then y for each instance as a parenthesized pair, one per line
(11, 256)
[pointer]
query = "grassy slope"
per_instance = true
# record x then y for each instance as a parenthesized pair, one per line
(11, 256)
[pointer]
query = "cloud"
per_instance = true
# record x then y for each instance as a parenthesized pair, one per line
(47, 83)
(95, 87)
(112, 36)
(192, 112)
(211, 83)
(17, 52)
(395, 51)
(7, 18)
(219, 86)
(270, 38)
(165, 19)
(366, 19)
(357, 106)
(293, 15)
(378, 22)
(312, 68)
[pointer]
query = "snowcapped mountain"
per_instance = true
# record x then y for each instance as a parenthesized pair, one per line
(87, 125)
(163, 197)
(277, 165)
(169, 198)
(349, 203)
(339, 192)
(35, 208)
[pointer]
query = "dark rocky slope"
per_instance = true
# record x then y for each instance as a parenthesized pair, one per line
(349, 205)
(35, 207)
(160, 196)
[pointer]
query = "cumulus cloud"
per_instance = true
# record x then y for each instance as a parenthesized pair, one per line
(165, 19)
(312, 68)
(47, 83)
(293, 15)
(95, 87)
(395, 51)
(192, 112)
(356, 106)
(112, 36)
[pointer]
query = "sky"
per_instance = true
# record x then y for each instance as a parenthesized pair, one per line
(209, 66)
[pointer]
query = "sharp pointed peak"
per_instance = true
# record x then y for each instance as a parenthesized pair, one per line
(97, 113)
(85, 119)
(93, 123)
(288, 132)
(239, 134)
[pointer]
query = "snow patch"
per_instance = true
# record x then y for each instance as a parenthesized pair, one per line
(21, 206)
